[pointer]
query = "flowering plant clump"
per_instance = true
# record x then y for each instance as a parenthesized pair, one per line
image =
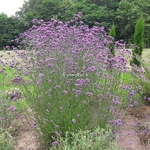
(74, 79)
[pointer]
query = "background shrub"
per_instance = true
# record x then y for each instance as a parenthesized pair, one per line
(112, 33)
(138, 41)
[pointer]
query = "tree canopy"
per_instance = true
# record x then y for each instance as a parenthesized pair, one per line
(123, 13)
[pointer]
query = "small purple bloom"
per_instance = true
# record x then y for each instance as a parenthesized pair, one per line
(65, 92)
(135, 103)
(41, 76)
(56, 133)
(88, 94)
(33, 126)
(57, 126)
(132, 92)
(144, 131)
(39, 82)
(57, 87)
(77, 85)
(12, 108)
(130, 143)
(35, 120)
(40, 96)
(27, 72)
(3, 118)
(74, 121)
(8, 47)
(111, 108)
(50, 65)
(131, 105)
(87, 80)
(46, 93)
(92, 68)
(118, 122)
(55, 143)
(14, 99)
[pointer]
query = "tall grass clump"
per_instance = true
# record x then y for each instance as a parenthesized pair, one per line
(70, 86)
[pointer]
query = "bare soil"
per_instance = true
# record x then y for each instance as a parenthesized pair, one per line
(134, 134)
(24, 135)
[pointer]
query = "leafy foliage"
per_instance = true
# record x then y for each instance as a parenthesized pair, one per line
(143, 79)
(112, 33)
(87, 140)
(6, 140)
(123, 13)
(126, 16)
(9, 30)
(138, 41)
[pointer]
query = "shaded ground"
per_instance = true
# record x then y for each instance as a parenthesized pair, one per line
(27, 140)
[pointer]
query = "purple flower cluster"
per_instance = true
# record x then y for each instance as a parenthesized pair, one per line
(12, 108)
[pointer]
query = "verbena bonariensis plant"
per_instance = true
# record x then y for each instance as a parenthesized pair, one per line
(71, 86)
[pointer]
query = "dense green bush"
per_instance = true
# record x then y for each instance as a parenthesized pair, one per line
(138, 41)
(112, 33)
